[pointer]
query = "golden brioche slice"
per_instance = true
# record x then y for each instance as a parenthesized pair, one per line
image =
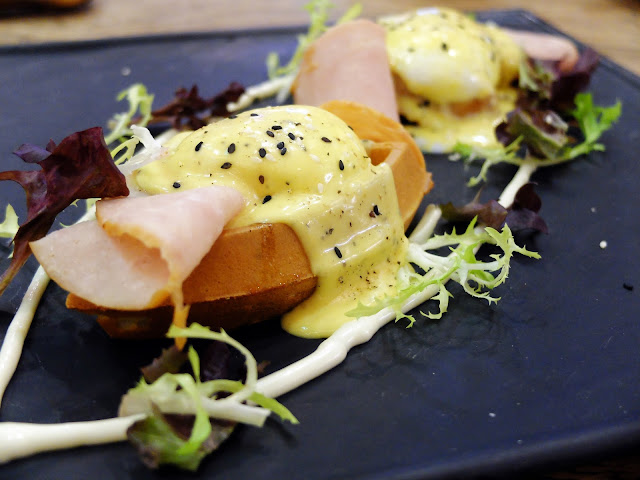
(262, 271)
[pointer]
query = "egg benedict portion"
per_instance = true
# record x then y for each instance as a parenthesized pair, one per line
(304, 167)
(452, 76)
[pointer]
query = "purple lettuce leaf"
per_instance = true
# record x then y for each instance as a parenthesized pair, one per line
(543, 131)
(80, 167)
(546, 93)
(189, 109)
(522, 215)
(171, 360)
(491, 213)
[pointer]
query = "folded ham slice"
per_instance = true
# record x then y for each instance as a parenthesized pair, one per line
(140, 250)
(348, 62)
(544, 46)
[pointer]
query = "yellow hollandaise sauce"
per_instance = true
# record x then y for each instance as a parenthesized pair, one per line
(305, 167)
(438, 127)
(452, 76)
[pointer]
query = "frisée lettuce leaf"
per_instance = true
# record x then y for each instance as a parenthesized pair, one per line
(461, 265)
(140, 102)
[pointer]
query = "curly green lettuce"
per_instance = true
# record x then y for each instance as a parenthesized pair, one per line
(140, 102)
(476, 277)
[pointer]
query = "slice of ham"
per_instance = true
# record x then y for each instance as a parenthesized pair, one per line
(140, 250)
(544, 46)
(348, 62)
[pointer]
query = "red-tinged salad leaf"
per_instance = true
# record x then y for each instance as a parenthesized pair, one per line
(543, 86)
(160, 440)
(79, 167)
(189, 109)
(522, 215)
(543, 131)
(217, 361)
(545, 94)
(568, 84)
(171, 360)
(491, 213)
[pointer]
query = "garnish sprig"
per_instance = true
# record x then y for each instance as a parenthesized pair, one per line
(593, 121)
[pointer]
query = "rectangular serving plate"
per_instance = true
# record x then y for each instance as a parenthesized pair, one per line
(549, 374)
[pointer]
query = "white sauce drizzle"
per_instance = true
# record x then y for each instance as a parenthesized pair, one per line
(17, 332)
(23, 439)
(334, 349)
(13, 342)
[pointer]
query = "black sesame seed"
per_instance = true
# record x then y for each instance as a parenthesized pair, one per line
(291, 136)
(341, 165)
(233, 116)
(262, 152)
(231, 148)
(255, 115)
(270, 133)
(325, 139)
(445, 47)
(198, 146)
(280, 145)
(375, 210)
(627, 286)
(283, 151)
(176, 184)
(261, 179)
(338, 252)
(276, 127)
(266, 199)
(226, 165)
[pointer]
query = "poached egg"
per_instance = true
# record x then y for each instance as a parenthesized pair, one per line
(452, 76)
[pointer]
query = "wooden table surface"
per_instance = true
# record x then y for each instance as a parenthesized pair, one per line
(610, 26)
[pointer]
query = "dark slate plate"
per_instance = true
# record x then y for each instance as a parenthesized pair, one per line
(548, 375)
